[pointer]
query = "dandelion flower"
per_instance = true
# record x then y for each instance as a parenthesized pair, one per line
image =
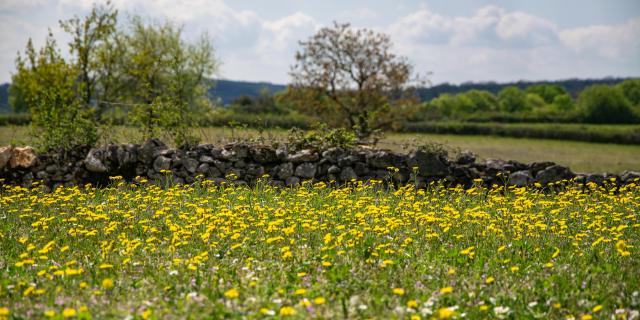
(398, 291)
(69, 312)
(446, 290)
(287, 311)
(445, 313)
(232, 293)
(107, 283)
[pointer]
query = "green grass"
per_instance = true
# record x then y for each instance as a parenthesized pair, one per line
(579, 156)
(619, 134)
(202, 251)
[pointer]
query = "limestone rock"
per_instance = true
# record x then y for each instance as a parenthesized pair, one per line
(520, 178)
(384, 159)
(150, 149)
(332, 154)
(190, 164)
(303, 156)
(428, 164)
(348, 174)
(333, 169)
(306, 170)
(93, 163)
(630, 176)
(595, 178)
(466, 157)
(5, 155)
(23, 157)
(292, 181)
(161, 163)
(554, 173)
(263, 155)
(284, 171)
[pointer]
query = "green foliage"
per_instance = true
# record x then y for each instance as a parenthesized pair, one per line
(631, 90)
(322, 137)
(265, 103)
(59, 122)
(143, 68)
(512, 99)
(165, 118)
(562, 103)
(482, 101)
(15, 119)
(89, 39)
(45, 84)
(452, 105)
(548, 92)
(158, 62)
(605, 104)
(534, 102)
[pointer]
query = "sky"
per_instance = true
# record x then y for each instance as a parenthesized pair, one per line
(451, 41)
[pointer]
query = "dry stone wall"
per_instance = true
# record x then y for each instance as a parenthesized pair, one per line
(245, 164)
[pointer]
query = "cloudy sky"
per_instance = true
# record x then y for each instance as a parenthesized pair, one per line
(456, 40)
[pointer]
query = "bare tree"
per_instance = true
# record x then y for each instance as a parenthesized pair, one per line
(351, 73)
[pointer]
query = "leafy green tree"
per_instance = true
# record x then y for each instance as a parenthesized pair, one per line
(548, 92)
(453, 106)
(512, 99)
(88, 35)
(46, 84)
(143, 66)
(563, 103)
(165, 75)
(631, 89)
(482, 101)
(534, 102)
(605, 104)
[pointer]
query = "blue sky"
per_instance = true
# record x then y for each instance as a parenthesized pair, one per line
(455, 40)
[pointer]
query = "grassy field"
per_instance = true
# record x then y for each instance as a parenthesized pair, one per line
(618, 133)
(580, 156)
(201, 251)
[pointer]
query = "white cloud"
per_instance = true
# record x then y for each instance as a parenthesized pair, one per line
(615, 42)
(496, 44)
(490, 25)
(491, 43)
(19, 5)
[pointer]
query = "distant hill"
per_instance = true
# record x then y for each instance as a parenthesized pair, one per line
(573, 86)
(4, 98)
(229, 90)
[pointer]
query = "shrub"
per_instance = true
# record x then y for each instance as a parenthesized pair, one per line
(631, 89)
(321, 138)
(60, 123)
(167, 118)
(512, 99)
(605, 104)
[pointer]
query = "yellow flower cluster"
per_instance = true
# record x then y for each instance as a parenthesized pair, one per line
(361, 250)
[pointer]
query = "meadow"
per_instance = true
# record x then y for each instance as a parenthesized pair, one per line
(140, 251)
(579, 156)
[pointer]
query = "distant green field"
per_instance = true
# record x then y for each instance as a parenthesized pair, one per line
(620, 134)
(580, 156)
